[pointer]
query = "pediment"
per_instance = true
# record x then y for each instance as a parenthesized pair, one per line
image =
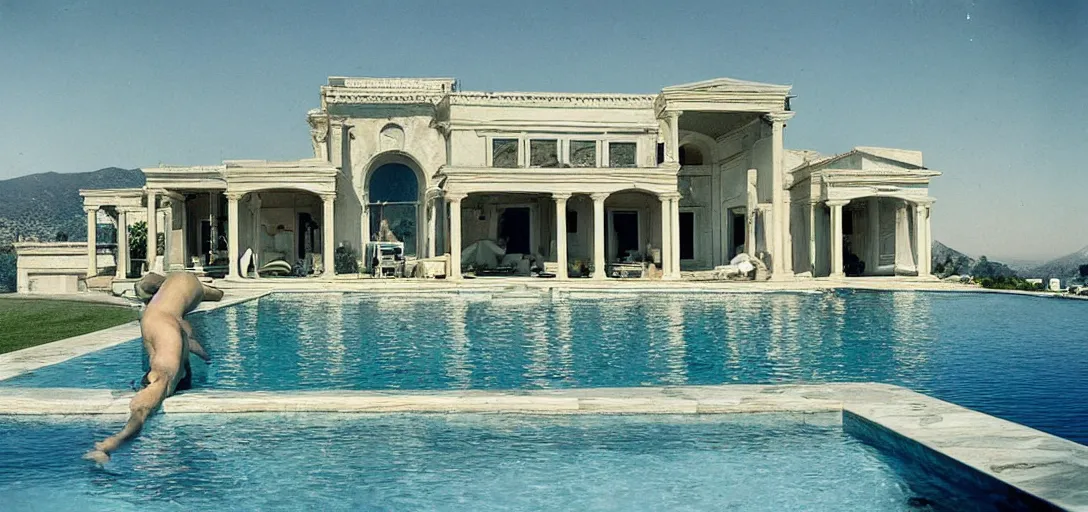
(726, 85)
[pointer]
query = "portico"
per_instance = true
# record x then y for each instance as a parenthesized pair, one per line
(693, 178)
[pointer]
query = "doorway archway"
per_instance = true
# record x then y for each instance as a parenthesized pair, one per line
(393, 192)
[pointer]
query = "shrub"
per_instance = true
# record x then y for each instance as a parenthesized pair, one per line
(346, 260)
(7, 269)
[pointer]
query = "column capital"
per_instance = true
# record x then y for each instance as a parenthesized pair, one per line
(328, 196)
(669, 196)
(234, 196)
(778, 117)
(561, 196)
(90, 209)
(599, 197)
(837, 202)
(455, 197)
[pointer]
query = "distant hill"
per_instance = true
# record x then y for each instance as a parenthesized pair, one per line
(41, 205)
(948, 261)
(1065, 268)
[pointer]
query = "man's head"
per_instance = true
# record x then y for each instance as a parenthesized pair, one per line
(148, 285)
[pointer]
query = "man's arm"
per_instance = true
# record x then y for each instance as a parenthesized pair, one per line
(142, 405)
(194, 346)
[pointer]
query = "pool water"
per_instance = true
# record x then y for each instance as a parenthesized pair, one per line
(453, 462)
(1021, 358)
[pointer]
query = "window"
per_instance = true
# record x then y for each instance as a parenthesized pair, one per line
(572, 222)
(621, 154)
(690, 155)
(504, 152)
(583, 153)
(543, 153)
(660, 153)
(687, 235)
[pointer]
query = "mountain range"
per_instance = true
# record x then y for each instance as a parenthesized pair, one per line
(42, 205)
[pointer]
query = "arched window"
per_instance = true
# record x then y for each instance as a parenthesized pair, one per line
(393, 200)
(690, 155)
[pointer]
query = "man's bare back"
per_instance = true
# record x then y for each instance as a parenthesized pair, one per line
(168, 340)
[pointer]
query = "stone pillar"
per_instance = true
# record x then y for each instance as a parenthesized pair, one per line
(836, 237)
(92, 242)
(919, 239)
(232, 235)
(673, 147)
(328, 234)
(599, 262)
(874, 236)
(152, 228)
(666, 237)
(927, 229)
(812, 237)
(752, 205)
(183, 212)
(674, 232)
(779, 225)
(213, 222)
(168, 234)
(455, 234)
(432, 227)
(122, 244)
(561, 233)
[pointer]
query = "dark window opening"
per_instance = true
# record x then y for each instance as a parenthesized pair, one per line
(504, 153)
(625, 226)
(514, 230)
(690, 155)
(687, 235)
(572, 222)
(660, 153)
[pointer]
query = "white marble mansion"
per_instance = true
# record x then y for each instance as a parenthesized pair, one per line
(571, 184)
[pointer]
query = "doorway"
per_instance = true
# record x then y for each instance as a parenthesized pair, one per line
(737, 232)
(514, 229)
(625, 234)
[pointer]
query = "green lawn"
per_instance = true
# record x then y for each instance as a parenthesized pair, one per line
(28, 322)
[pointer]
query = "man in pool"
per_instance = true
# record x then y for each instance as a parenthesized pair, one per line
(168, 340)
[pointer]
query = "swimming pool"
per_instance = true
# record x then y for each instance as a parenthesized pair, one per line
(1020, 358)
(457, 462)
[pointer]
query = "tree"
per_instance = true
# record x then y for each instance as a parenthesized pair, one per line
(1084, 271)
(137, 241)
(61, 237)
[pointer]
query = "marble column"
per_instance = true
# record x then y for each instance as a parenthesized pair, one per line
(779, 225)
(122, 244)
(328, 235)
(432, 223)
(599, 262)
(455, 234)
(232, 235)
(812, 210)
(752, 205)
(673, 152)
(927, 229)
(152, 228)
(92, 241)
(674, 232)
(168, 234)
(213, 223)
(836, 237)
(920, 238)
(873, 256)
(561, 233)
(183, 212)
(666, 237)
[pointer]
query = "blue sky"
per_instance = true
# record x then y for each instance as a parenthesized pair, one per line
(991, 91)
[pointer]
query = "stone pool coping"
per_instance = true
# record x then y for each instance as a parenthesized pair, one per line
(1045, 469)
